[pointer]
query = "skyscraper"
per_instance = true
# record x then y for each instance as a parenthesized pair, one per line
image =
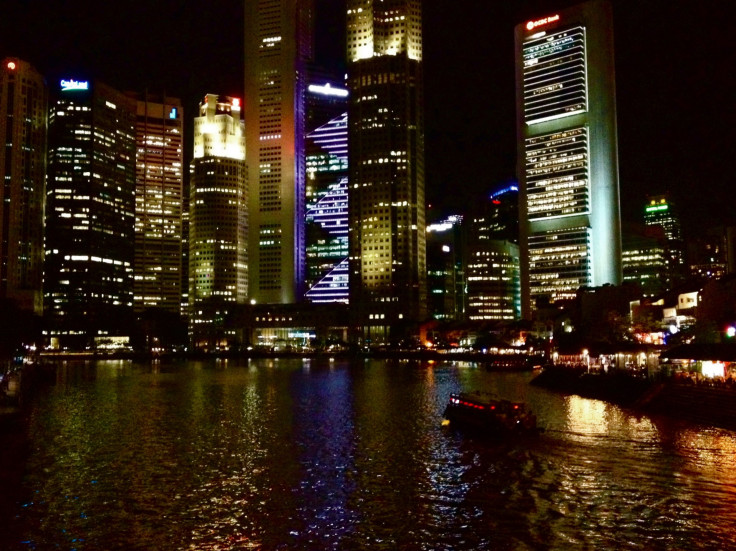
(90, 214)
(158, 204)
(570, 230)
(445, 269)
(23, 126)
(278, 46)
(327, 212)
(661, 212)
(386, 158)
(218, 222)
(493, 270)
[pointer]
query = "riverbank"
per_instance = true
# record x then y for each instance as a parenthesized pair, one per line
(697, 403)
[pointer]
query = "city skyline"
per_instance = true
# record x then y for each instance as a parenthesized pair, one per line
(468, 150)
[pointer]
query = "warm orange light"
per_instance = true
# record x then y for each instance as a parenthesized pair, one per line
(11, 65)
(540, 22)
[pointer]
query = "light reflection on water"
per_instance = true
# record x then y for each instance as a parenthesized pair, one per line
(285, 454)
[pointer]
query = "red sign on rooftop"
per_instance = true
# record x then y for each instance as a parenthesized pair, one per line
(541, 22)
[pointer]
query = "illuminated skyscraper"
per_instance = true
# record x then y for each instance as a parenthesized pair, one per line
(278, 46)
(661, 212)
(570, 230)
(493, 270)
(386, 158)
(23, 126)
(327, 212)
(90, 214)
(218, 222)
(158, 204)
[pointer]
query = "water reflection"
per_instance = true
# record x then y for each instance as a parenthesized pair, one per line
(285, 454)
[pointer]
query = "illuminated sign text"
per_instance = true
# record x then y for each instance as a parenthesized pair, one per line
(539, 22)
(67, 85)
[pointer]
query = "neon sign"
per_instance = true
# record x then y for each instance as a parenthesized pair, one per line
(328, 90)
(544, 21)
(69, 85)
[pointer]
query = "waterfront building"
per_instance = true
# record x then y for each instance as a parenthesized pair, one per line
(23, 128)
(445, 269)
(278, 47)
(218, 223)
(386, 157)
(661, 212)
(327, 212)
(493, 270)
(570, 230)
(90, 215)
(158, 204)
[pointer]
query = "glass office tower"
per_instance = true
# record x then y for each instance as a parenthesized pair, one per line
(90, 215)
(570, 229)
(158, 204)
(327, 212)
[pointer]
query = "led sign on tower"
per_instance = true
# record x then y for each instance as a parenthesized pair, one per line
(69, 85)
(328, 90)
(540, 22)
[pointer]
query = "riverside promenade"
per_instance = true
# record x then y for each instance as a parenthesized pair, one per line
(703, 402)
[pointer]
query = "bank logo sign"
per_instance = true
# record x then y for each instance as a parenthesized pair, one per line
(69, 85)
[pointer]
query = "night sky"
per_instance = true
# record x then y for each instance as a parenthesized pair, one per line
(674, 68)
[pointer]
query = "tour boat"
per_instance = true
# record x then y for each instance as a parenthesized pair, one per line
(489, 415)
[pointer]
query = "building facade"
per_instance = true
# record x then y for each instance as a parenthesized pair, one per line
(570, 229)
(218, 223)
(661, 212)
(23, 128)
(386, 157)
(158, 204)
(278, 47)
(327, 212)
(493, 270)
(446, 269)
(90, 215)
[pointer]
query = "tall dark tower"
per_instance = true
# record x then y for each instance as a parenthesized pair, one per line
(158, 204)
(23, 124)
(570, 227)
(386, 163)
(90, 214)
(278, 48)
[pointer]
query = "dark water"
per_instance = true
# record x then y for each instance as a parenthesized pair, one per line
(331, 455)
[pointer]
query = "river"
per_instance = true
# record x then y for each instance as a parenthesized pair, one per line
(351, 455)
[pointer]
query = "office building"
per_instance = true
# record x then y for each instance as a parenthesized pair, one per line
(158, 204)
(445, 269)
(386, 157)
(23, 126)
(644, 260)
(570, 229)
(493, 271)
(90, 216)
(661, 212)
(327, 212)
(218, 223)
(278, 47)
